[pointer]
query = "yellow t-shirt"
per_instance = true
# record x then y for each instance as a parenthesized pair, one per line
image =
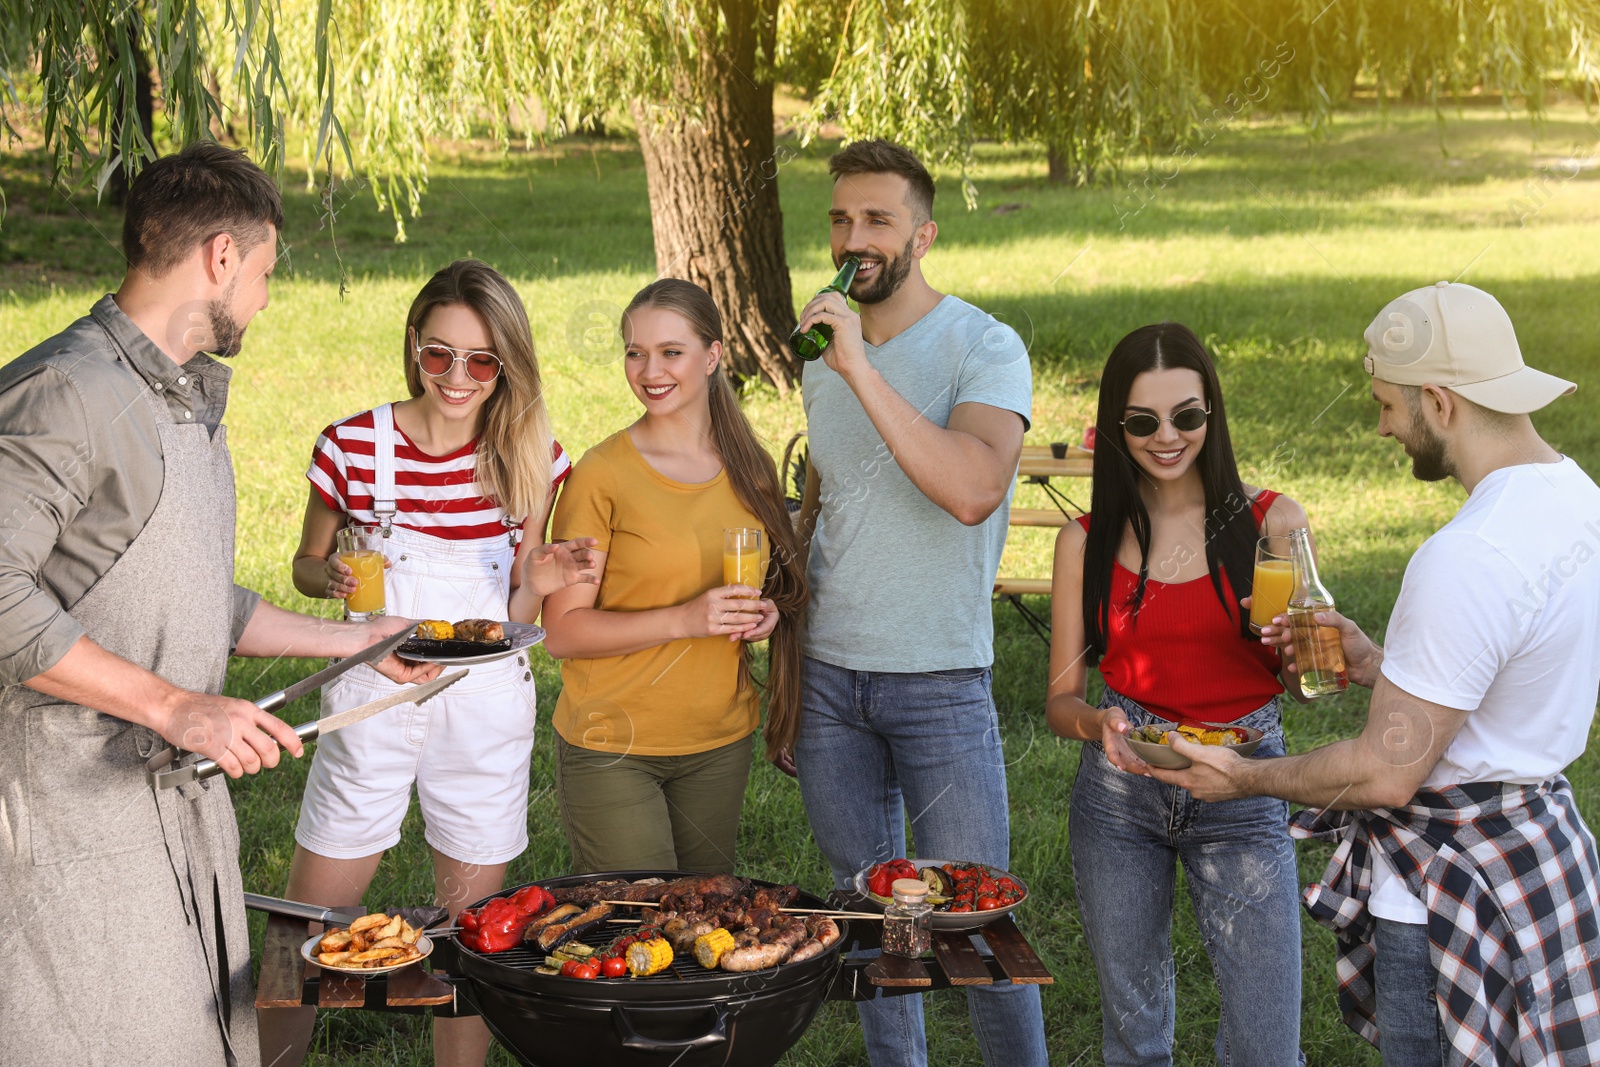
(663, 541)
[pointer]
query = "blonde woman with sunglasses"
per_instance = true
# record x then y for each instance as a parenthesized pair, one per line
(461, 475)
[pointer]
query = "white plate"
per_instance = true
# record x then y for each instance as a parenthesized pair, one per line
(309, 951)
(524, 635)
(951, 920)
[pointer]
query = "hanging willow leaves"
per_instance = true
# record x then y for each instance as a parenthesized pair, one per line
(364, 86)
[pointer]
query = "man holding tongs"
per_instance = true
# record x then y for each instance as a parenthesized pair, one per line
(126, 941)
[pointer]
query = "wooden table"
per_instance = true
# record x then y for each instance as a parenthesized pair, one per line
(1038, 462)
(289, 981)
(1037, 466)
(958, 959)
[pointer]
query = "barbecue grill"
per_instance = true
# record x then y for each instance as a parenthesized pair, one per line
(685, 1016)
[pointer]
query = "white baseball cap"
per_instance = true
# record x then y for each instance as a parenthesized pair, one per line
(1458, 337)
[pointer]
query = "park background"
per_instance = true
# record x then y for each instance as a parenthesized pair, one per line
(1276, 229)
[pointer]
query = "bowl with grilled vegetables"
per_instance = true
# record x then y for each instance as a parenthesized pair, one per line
(1152, 742)
(964, 895)
(373, 944)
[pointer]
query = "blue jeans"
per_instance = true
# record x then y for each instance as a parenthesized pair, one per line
(1408, 1012)
(1128, 833)
(875, 745)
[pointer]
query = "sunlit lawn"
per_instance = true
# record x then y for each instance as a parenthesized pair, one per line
(1277, 251)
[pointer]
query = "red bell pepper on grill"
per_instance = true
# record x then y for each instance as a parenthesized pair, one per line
(498, 925)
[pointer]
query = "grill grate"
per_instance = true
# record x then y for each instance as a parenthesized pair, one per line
(684, 967)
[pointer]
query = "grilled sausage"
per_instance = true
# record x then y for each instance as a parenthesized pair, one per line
(756, 957)
(485, 630)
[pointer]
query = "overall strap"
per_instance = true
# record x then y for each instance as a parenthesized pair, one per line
(383, 492)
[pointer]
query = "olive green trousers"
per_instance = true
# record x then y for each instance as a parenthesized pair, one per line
(669, 813)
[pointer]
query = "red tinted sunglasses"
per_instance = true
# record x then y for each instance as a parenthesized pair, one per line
(436, 361)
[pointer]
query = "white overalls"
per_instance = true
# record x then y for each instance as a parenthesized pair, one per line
(468, 749)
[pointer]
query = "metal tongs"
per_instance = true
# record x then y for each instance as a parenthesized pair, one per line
(164, 770)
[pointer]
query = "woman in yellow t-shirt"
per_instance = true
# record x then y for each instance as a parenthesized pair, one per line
(657, 707)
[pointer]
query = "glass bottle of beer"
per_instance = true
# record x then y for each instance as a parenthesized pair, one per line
(811, 343)
(1318, 653)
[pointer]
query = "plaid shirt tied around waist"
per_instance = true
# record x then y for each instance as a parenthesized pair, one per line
(1509, 876)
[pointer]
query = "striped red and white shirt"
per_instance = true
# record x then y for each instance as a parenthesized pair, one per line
(436, 495)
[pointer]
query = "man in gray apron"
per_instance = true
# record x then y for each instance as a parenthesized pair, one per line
(126, 941)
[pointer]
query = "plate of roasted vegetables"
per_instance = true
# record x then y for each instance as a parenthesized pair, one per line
(964, 895)
(373, 944)
(457, 644)
(1152, 742)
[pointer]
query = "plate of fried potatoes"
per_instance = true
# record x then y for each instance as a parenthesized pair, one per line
(373, 944)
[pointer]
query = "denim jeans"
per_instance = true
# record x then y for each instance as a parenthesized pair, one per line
(874, 746)
(1128, 834)
(1408, 1012)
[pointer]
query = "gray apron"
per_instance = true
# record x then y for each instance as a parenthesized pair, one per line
(126, 944)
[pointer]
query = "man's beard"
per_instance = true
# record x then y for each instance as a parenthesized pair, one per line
(891, 276)
(227, 336)
(1429, 461)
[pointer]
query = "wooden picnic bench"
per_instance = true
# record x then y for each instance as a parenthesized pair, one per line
(1037, 466)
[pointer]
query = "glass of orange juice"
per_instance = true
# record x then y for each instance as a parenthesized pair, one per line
(741, 556)
(1273, 583)
(361, 549)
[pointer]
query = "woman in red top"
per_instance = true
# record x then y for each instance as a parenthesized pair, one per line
(1149, 590)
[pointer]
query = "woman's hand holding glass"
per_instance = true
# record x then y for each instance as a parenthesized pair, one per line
(548, 568)
(342, 580)
(731, 611)
(769, 622)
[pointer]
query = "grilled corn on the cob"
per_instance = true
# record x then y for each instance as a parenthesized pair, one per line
(708, 948)
(649, 957)
(435, 630)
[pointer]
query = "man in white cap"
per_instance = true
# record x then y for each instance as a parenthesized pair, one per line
(1464, 888)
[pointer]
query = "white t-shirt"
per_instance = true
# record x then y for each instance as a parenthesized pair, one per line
(1499, 617)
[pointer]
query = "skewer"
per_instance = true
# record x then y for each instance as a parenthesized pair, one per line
(830, 913)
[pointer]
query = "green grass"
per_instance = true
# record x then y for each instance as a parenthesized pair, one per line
(1276, 250)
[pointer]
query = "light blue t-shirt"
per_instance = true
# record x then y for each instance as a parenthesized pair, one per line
(897, 583)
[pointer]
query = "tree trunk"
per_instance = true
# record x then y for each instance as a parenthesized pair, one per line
(713, 182)
(1056, 161)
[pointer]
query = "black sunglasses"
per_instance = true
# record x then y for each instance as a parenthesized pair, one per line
(1146, 425)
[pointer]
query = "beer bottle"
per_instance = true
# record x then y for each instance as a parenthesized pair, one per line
(810, 344)
(1318, 652)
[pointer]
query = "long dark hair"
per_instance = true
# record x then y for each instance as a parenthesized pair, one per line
(754, 478)
(1116, 504)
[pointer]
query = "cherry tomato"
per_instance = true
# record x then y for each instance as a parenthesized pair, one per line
(616, 967)
(1006, 883)
(586, 970)
(961, 905)
(988, 903)
(569, 968)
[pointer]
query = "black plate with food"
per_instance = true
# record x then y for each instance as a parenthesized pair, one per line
(481, 644)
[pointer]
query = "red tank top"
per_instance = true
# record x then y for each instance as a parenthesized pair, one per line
(1184, 659)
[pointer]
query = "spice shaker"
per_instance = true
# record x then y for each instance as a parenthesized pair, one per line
(908, 922)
